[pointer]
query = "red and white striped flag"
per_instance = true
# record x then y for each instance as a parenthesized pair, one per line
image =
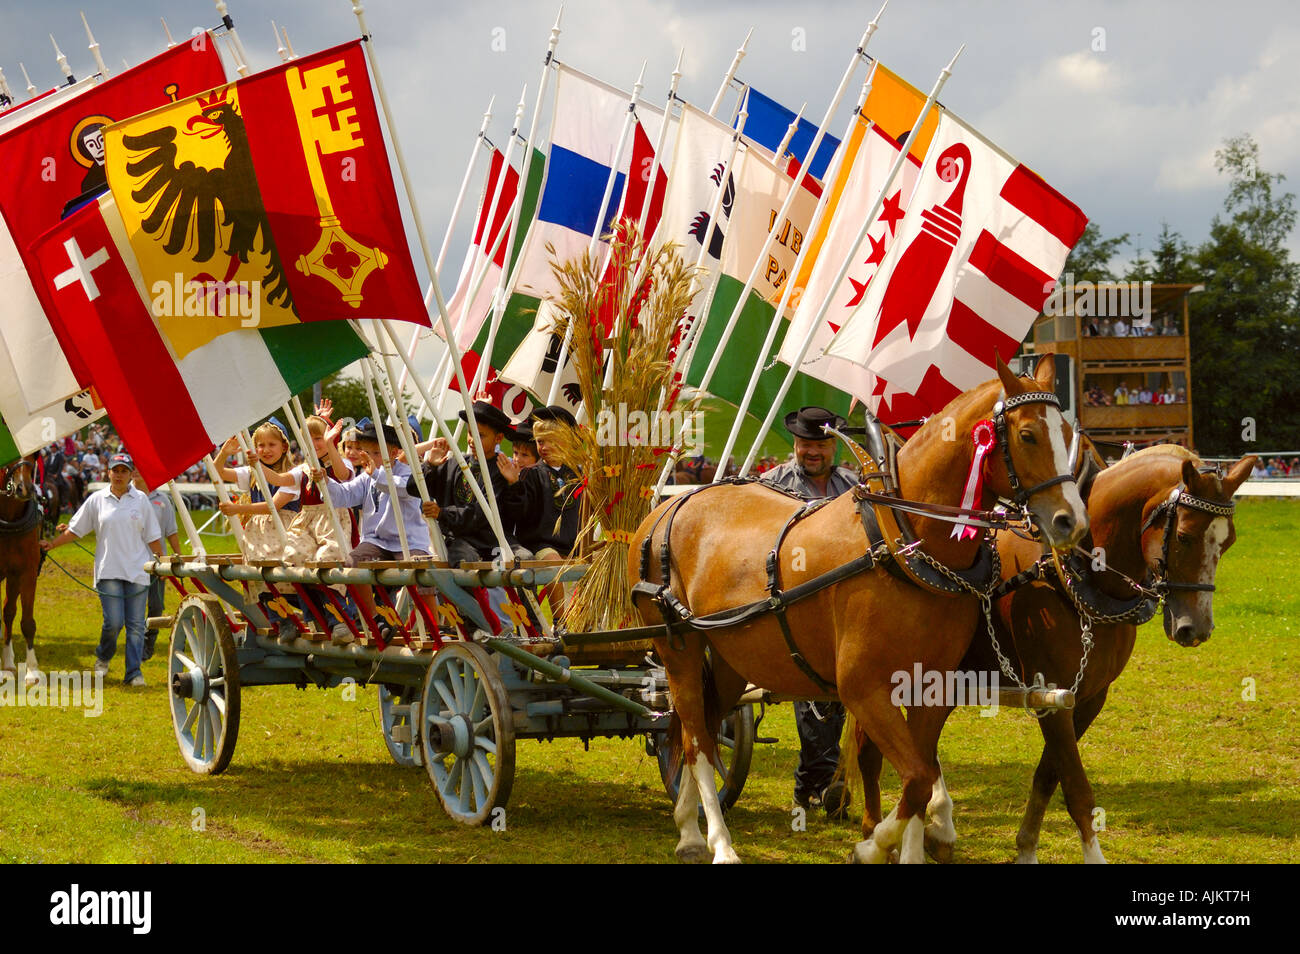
(977, 255)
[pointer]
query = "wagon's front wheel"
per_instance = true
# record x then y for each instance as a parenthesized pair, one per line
(203, 678)
(467, 733)
(395, 715)
(734, 749)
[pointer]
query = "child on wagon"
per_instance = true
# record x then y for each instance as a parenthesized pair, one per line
(271, 448)
(540, 501)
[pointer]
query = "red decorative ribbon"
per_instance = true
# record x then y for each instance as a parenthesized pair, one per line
(985, 439)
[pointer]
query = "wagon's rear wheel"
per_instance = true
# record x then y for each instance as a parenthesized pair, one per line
(203, 677)
(395, 715)
(735, 748)
(467, 733)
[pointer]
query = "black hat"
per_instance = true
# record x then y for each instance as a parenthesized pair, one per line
(493, 417)
(367, 432)
(523, 433)
(554, 412)
(807, 423)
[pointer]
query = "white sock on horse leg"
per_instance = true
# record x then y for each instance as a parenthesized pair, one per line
(691, 845)
(912, 850)
(719, 836)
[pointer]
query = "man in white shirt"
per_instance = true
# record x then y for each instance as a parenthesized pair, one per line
(126, 534)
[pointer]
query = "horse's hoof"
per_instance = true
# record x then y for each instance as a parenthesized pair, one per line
(32, 678)
(1027, 857)
(869, 853)
(940, 851)
(729, 857)
(694, 854)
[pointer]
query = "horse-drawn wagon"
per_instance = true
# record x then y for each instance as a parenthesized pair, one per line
(459, 681)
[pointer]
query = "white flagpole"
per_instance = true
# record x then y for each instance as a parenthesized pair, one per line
(298, 423)
(659, 143)
(170, 41)
(63, 62)
(31, 90)
(234, 37)
(289, 43)
(255, 473)
(867, 222)
(383, 456)
(731, 74)
(183, 514)
(5, 90)
(490, 508)
(761, 362)
(789, 134)
(506, 289)
(223, 495)
(279, 44)
(479, 141)
(775, 324)
(94, 48)
(594, 244)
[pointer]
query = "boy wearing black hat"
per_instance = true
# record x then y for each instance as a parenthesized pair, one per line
(464, 525)
(540, 501)
(812, 474)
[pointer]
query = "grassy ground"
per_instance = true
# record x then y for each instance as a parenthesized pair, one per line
(1186, 770)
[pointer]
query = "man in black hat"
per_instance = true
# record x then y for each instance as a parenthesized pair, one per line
(464, 525)
(540, 502)
(813, 475)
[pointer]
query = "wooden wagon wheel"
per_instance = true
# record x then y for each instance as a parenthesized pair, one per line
(735, 748)
(203, 675)
(395, 714)
(467, 733)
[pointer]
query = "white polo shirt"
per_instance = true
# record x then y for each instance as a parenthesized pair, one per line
(123, 527)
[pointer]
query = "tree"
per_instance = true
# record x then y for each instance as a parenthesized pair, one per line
(1089, 260)
(1244, 336)
(1171, 262)
(350, 400)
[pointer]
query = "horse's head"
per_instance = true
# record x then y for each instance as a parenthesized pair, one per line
(18, 480)
(1033, 463)
(1184, 533)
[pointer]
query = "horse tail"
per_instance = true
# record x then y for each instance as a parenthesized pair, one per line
(848, 770)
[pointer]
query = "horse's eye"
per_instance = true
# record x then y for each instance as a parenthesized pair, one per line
(1027, 437)
(1184, 538)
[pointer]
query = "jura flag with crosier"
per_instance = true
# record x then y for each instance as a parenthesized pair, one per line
(980, 247)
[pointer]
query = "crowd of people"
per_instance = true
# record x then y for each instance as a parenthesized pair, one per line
(1096, 395)
(1131, 328)
(1277, 467)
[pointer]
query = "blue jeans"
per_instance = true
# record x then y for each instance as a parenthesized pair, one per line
(124, 604)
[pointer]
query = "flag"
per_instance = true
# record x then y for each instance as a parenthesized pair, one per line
(467, 317)
(588, 121)
(170, 408)
(768, 122)
(893, 104)
(869, 154)
(309, 227)
(31, 432)
(976, 256)
(53, 162)
(754, 191)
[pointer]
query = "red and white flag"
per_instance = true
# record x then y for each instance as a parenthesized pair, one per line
(874, 154)
(977, 255)
(467, 316)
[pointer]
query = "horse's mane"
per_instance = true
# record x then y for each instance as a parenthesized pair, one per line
(1156, 450)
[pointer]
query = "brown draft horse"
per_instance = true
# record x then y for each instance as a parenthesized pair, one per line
(20, 558)
(1158, 517)
(861, 630)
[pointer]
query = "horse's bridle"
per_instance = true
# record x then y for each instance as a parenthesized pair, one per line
(1168, 511)
(7, 476)
(1000, 409)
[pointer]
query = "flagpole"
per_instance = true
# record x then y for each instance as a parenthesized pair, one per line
(659, 143)
(5, 91)
(510, 274)
(789, 134)
(298, 422)
(822, 204)
(94, 48)
(31, 90)
(775, 324)
(223, 495)
(867, 222)
(479, 141)
(594, 244)
(288, 42)
(170, 41)
(385, 461)
(478, 271)
(731, 74)
(191, 534)
(255, 472)
(492, 510)
(279, 44)
(395, 411)
(234, 36)
(63, 62)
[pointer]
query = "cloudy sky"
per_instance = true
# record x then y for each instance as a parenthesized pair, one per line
(1119, 105)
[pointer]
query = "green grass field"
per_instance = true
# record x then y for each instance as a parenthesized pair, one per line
(1185, 769)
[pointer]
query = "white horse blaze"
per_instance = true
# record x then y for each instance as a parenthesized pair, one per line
(1216, 534)
(1061, 461)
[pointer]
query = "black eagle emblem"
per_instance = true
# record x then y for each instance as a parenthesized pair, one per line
(185, 197)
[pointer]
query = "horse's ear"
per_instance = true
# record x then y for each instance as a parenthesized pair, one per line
(1010, 383)
(1191, 476)
(1045, 372)
(1238, 473)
